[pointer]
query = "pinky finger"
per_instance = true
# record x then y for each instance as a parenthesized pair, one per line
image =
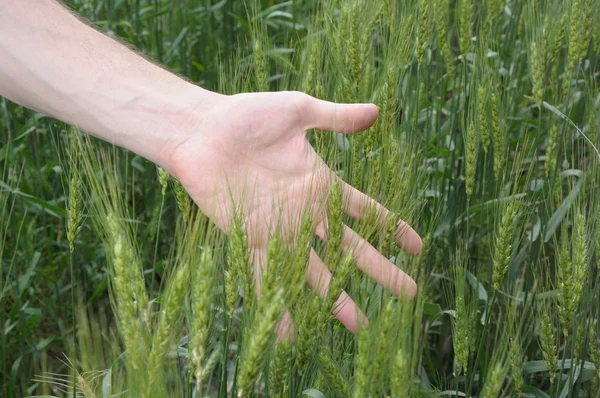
(285, 325)
(345, 309)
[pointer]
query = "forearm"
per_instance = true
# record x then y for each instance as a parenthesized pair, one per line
(54, 63)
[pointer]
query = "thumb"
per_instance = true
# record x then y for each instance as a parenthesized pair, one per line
(343, 118)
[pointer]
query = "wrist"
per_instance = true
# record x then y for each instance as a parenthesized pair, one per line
(165, 118)
(180, 118)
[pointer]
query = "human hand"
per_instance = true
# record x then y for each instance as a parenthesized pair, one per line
(250, 150)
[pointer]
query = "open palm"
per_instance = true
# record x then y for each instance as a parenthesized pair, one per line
(251, 153)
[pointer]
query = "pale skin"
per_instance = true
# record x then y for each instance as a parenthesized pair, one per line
(248, 149)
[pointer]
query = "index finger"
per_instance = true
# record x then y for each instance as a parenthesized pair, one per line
(356, 204)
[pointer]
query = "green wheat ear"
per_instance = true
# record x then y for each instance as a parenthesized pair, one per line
(494, 10)
(307, 324)
(384, 343)
(502, 246)
(75, 205)
(483, 118)
(209, 366)
(231, 291)
(129, 292)
(334, 224)
(558, 41)
(333, 373)
(545, 52)
(580, 261)
(401, 374)
(442, 15)
(84, 386)
(238, 255)
(494, 381)
(262, 332)
(516, 364)
(280, 367)
(424, 31)
(75, 211)
(338, 282)
(565, 281)
(537, 72)
(498, 135)
(572, 271)
(465, 27)
(551, 149)
(575, 41)
(548, 345)
(321, 137)
(561, 36)
(260, 66)
(463, 326)
(471, 153)
(587, 27)
(363, 365)
(163, 179)
(183, 201)
(294, 278)
(239, 272)
(273, 275)
(353, 55)
(313, 68)
(203, 280)
(169, 316)
(461, 334)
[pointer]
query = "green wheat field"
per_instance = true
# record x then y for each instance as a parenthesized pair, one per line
(113, 284)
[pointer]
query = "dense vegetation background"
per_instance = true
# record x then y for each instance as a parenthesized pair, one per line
(486, 143)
